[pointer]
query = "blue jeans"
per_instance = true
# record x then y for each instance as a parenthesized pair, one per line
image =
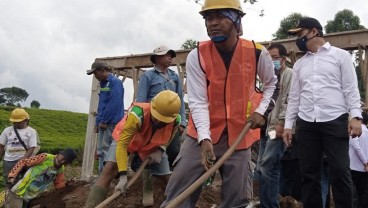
(103, 144)
(268, 170)
(324, 184)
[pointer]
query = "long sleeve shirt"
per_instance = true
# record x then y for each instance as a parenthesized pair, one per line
(324, 86)
(154, 81)
(279, 111)
(111, 101)
(197, 90)
(358, 151)
(132, 126)
(40, 175)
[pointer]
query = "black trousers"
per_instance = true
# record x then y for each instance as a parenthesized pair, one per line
(290, 178)
(331, 138)
(360, 181)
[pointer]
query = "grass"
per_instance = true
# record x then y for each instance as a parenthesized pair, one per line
(57, 129)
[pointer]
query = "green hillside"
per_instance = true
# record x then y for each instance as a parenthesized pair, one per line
(56, 129)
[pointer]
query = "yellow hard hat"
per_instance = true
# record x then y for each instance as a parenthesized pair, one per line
(165, 106)
(222, 4)
(18, 115)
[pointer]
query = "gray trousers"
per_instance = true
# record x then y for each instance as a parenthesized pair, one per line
(188, 168)
(7, 167)
(13, 201)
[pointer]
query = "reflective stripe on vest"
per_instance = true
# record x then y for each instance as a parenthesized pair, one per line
(231, 93)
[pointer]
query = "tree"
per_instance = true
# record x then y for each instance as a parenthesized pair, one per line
(35, 104)
(286, 24)
(2, 99)
(189, 44)
(345, 20)
(12, 95)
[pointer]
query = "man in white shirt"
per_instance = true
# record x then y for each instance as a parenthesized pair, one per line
(358, 152)
(324, 90)
(17, 147)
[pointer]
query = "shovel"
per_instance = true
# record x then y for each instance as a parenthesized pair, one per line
(187, 192)
(127, 185)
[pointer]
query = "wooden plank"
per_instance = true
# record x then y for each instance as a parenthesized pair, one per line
(348, 40)
(133, 66)
(91, 137)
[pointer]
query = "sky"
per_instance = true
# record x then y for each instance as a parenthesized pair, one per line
(47, 46)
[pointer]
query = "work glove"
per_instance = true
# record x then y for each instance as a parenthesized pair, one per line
(11, 181)
(257, 119)
(156, 156)
(122, 183)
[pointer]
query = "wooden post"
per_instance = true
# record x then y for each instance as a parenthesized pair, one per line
(361, 65)
(182, 76)
(91, 137)
(135, 83)
(365, 68)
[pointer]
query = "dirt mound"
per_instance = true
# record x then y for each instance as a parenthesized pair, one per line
(75, 195)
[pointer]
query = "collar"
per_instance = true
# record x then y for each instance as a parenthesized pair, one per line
(325, 46)
(160, 71)
(108, 79)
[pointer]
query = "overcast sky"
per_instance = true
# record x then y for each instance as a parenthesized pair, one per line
(46, 46)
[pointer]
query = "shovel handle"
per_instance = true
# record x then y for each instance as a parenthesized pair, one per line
(187, 192)
(127, 185)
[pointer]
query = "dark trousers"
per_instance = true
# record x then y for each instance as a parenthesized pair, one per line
(173, 149)
(290, 178)
(332, 138)
(360, 180)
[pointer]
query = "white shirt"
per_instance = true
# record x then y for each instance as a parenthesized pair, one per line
(358, 150)
(13, 148)
(197, 90)
(324, 86)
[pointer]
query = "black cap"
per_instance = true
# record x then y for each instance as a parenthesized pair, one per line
(305, 23)
(69, 155)
(97, 65)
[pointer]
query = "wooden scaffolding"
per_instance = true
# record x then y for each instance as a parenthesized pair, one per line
(133, 66)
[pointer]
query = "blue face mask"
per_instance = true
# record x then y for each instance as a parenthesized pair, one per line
(277, 64)
(219, 39)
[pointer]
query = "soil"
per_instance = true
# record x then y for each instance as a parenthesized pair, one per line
(75, 195)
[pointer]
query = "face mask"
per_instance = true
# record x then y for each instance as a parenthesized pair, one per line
(219, 39)
(302, 42)
(277, 64)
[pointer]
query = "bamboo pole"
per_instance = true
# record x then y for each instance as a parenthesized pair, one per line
(187, 192)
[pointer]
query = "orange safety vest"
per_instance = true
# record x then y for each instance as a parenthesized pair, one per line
(231, 93)
(144, 142)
